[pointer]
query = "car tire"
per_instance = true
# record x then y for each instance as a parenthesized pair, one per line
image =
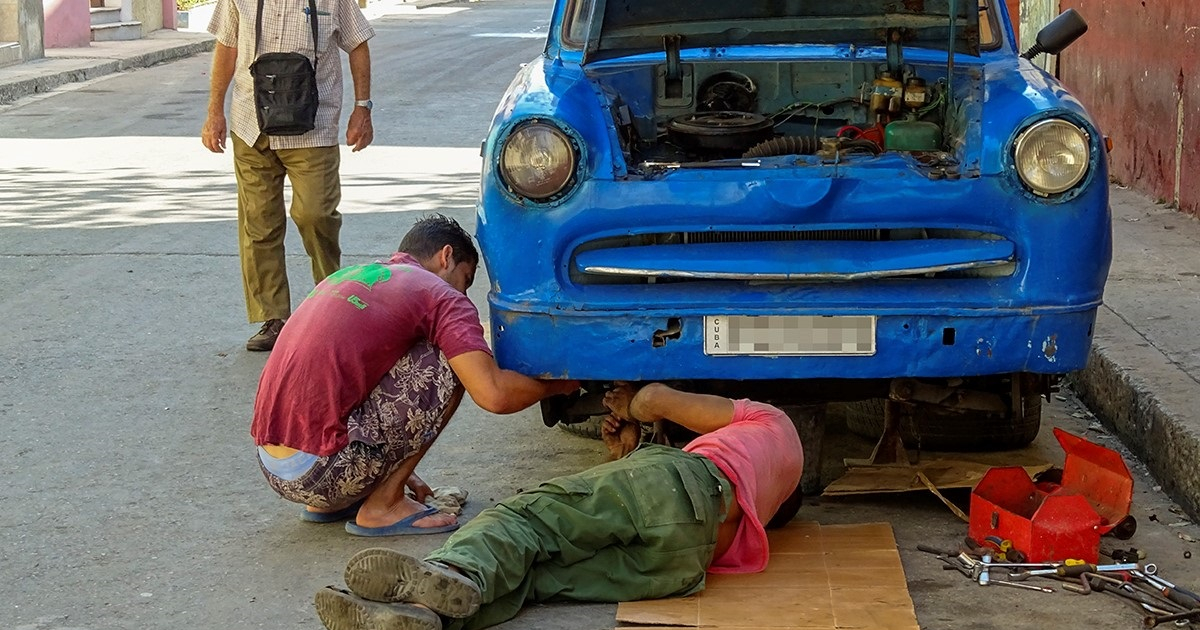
(935, 428)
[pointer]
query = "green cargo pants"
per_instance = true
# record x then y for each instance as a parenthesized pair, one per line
(641, 527)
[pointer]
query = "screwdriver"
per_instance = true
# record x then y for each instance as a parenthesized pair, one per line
(1076, 569)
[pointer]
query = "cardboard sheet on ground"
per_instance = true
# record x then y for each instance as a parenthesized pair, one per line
(943, 473)
(819, 577)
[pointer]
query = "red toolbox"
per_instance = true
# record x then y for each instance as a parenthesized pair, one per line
(1055, 521)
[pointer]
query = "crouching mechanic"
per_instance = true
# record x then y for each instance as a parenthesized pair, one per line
(366, 374)
(648, 525)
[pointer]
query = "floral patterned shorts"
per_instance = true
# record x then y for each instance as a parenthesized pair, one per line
(399, 417)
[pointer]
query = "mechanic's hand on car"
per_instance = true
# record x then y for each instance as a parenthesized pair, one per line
(624, 403)
(620, 436)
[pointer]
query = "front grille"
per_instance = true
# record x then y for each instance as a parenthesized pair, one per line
(793, 235)
(762, 236)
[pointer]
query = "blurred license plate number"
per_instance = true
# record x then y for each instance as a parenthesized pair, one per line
(784, 335)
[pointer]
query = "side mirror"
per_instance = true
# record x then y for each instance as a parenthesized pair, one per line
(1058, 34)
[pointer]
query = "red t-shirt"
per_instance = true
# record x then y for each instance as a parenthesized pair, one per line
(345, 336)
(760, 453)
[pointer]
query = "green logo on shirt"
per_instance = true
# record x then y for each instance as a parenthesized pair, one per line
(366, 275)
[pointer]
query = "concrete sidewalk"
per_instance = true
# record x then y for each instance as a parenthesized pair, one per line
(70, 65)
(1143, 380)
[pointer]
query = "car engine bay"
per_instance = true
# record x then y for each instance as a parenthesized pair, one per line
(816, 111)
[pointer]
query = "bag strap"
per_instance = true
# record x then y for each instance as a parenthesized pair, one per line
(312, 20)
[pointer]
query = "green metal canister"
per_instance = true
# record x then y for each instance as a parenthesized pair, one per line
(912, 135)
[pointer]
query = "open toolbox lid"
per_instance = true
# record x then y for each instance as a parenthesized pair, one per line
(1099, 475)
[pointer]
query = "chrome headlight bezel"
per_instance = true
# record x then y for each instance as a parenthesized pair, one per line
(544, 182)
(1073, 141)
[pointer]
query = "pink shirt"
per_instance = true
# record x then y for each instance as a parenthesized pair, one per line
(760, 453)
(354, 326)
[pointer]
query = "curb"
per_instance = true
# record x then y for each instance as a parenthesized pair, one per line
(1141, 396)
(168, 54)
(86, 69)
(12, 91)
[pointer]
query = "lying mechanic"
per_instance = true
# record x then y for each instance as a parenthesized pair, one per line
(645, 526)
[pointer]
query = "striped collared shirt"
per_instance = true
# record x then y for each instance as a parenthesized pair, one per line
(286, 28)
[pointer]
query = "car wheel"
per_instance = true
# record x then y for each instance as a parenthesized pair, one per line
(936, 428)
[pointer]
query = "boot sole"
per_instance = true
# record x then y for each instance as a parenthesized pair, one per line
(339, 610)
(383, 575)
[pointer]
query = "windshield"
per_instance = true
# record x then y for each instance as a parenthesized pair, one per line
(579, 16)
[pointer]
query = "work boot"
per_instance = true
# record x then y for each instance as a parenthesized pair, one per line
(383, 575)
(340, 610)
(264, 339)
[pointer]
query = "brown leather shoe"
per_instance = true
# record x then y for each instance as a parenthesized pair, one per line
(264, 339)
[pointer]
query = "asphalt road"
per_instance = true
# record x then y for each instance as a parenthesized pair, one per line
(130, 490)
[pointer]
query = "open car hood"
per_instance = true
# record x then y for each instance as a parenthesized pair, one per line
(625, 27)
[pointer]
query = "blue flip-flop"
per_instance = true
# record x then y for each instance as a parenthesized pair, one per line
(330, 517)
(403, 527)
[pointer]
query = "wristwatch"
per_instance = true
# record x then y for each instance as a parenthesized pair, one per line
(367, 103)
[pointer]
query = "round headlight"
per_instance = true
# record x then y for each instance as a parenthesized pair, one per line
(1052, 156)
(537, 161)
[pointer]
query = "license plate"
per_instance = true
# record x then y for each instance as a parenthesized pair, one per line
(848, 335)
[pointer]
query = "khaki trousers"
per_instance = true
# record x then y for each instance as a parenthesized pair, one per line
(262, 222)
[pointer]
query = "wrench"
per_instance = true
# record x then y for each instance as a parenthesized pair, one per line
(1028, 587)
(1149, 621)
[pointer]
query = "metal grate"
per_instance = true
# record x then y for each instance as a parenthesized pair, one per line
(792, 235)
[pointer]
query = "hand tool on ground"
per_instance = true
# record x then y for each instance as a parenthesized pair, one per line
(1133, 554)
(984, 573)
(970, 546)
(1149, 574)
(1028, 587)
(955, 565)
(1149, 621)
(1166, 593)
(1099, 586)
(1075, 570)
(1181, 604)
(1084, 587)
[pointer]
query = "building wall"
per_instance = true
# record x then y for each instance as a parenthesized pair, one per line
(9, 20)
(68, 23)
(170, 14)
(149, 13)
(1135, 69)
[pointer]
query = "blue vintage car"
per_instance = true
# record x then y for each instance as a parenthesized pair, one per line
(864, 199)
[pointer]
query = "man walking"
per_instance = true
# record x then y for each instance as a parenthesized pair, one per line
(309, 161)
(645, 526)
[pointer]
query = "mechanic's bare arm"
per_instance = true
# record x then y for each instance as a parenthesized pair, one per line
(701, 413)
(215, 130)
(502, 391)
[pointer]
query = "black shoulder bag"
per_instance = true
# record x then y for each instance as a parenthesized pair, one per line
(285, 85)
